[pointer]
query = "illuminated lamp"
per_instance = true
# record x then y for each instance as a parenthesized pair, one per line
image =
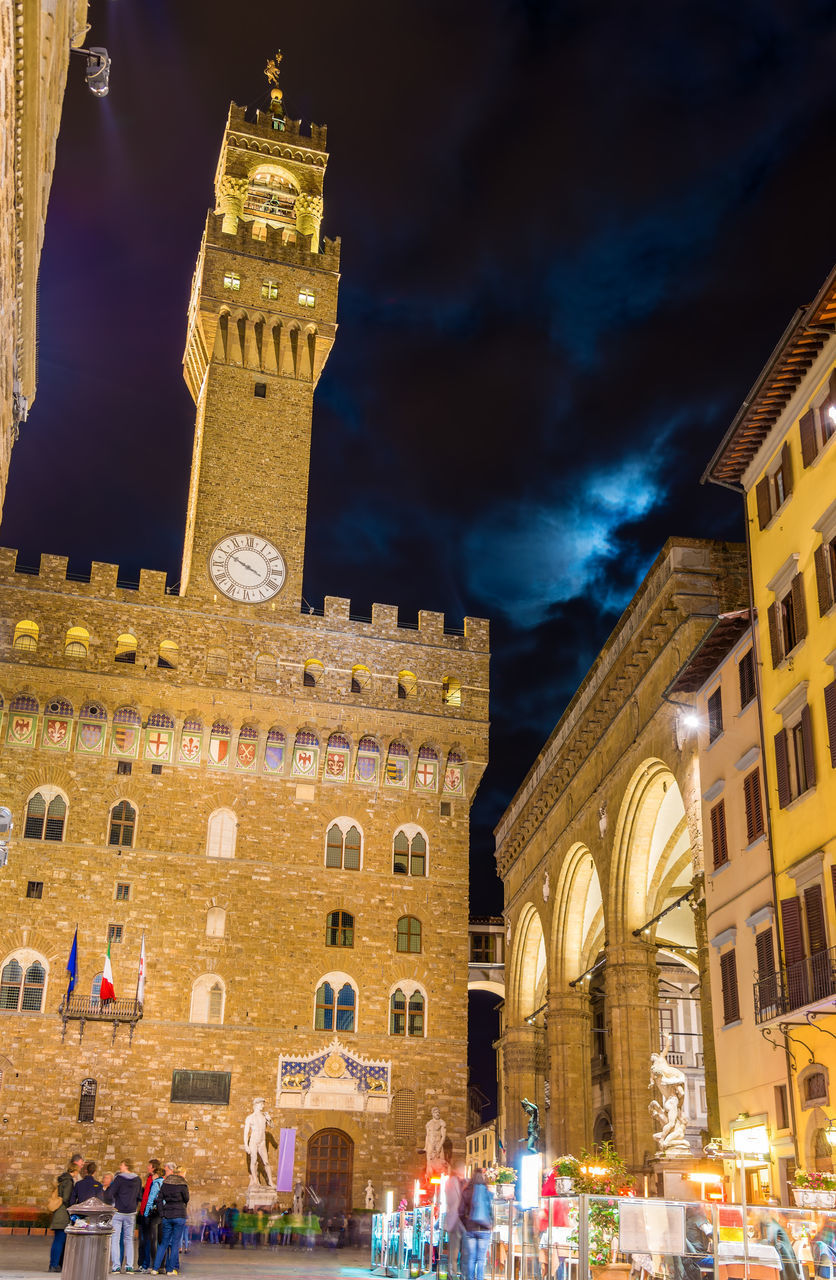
(390, 1202)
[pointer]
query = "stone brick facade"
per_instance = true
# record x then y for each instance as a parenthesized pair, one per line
(241, 665)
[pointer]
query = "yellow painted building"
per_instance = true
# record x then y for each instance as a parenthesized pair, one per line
(780, 453)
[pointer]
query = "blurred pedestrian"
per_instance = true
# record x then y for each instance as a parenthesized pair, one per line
(148, 1218)
(59, 1203)
(87, 1185)
(174, 1199)
(124, 1193)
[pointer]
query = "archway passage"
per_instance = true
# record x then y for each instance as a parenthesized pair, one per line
(330, 1168)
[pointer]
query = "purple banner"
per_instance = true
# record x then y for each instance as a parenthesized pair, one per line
(287, 1154)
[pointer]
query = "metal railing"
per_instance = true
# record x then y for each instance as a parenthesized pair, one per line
(82, 1009)
(794, 985)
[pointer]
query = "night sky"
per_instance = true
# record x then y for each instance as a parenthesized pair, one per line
(571, 235)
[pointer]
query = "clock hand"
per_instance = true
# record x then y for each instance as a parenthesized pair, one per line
(244, 564)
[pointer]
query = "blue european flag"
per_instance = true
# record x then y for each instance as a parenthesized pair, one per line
(72, 964)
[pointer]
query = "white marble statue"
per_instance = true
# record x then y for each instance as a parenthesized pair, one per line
(436, 1132)
(369, 1194)
(671, 1142)
(255, 1141)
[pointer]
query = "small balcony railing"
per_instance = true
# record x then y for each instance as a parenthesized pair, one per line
(82, 1009)
(795, 985)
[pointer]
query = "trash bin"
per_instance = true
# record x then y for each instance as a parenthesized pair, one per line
(87, 1253)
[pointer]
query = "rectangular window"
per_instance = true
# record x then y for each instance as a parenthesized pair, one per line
(817, 425)
(87, 1102)
(754, 805)
(123, 766)
(767, 978)
(114, 933)
(270, 289)
(260, 390)
(307, 297)
(787, 620)
(35, 889)
(728, 978)
(782, 1111)
(719, 843)
(123, 892)
(773, 489)
(795, 764)
(746, 674)
(715, 715)
(482, 949)
(825, 561)
(232, 280)
(156, 769)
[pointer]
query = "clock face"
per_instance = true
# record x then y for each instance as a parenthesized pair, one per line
(247, 568)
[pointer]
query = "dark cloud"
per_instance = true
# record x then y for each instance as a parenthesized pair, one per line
(572, 233)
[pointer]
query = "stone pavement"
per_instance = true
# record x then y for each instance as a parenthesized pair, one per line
(22, 1257)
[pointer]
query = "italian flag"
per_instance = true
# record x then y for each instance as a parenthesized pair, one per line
(107, 992)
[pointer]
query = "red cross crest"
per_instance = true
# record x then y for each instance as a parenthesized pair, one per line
(158, 744)
(426, 774)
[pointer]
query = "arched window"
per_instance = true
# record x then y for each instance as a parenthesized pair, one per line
(122, 825)
(26, 636)
(167, 656)
(216, 662)
(406, 1011)
(409, 934)
(125, 648)
(451, 691)
(335, 1008)
(77, 643)
(46, 814)
(361, 678)
(215, 922)
(409, 852)
(87, 1101)
(407, 684)
(344, 845)
(96, 991)
(312, 673)
(220, 836)
(208, 999)
(23, 982)
(339, 930)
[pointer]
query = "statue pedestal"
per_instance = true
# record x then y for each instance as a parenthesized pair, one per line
(260, 1197)
(671, 1173)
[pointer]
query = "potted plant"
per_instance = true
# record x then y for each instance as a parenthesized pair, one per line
(814, 1190)
(603, 1173)
(506, 1179)
(565, 1170)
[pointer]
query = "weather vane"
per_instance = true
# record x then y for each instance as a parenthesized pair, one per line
(272, 73)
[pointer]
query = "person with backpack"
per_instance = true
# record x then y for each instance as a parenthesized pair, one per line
(58, 1203)
(124, 1193)
(148, 1218)
(476, 1214)
(173, 1198)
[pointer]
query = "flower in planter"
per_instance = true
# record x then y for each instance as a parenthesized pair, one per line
(566, 1166)
(815, 1181)
(499, 1173)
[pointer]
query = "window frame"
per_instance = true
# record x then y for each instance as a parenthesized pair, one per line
(48, 794)
(339, 930)
(203, 988)
(402, 1018)
(26, 958)
(124, 824)
(232, 281)
(411, 832)
(409, 934)
(223, 812)
(345, 825)
(337, 982)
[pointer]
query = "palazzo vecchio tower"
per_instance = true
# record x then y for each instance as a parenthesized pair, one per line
(277, 800)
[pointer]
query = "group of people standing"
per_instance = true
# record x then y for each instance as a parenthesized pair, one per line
(155, 1206)
(469, 1218)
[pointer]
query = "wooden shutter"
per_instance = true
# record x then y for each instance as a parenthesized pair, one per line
(807, 738)
(782, 768)
(754, 804)
(746, 676)
(830, 712)
(824, 585)
(793, 933)
(774, 634)
(786, 469)
(728, 977)
(814, 911)
(809, 438)
(765, 953)
(764, 505)
(719, 844)
(799, 607)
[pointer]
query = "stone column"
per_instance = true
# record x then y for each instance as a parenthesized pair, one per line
(568, 1032)
(519, 1059)
(308, 210)
(712, 1096)
(231, 194)
(632, 996)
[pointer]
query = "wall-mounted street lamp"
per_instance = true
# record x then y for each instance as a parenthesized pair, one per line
(97, 70)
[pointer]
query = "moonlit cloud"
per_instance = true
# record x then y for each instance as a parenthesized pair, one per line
(525, 560)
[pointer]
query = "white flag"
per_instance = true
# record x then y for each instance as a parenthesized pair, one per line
(140, 984)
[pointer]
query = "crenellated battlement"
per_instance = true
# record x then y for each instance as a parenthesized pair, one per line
(103, 583)
(263, 127)
(281, 244)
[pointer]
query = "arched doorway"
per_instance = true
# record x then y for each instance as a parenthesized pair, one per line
(330, 1168)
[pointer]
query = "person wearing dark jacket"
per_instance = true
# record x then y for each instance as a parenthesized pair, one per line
(60, 1218)
(124, 1193)
(148, 1219)
(87, 1186)
(172, 1199)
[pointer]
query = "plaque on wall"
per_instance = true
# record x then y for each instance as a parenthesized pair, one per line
(211, 1088)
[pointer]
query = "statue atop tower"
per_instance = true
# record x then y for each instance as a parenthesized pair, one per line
(272, 73)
